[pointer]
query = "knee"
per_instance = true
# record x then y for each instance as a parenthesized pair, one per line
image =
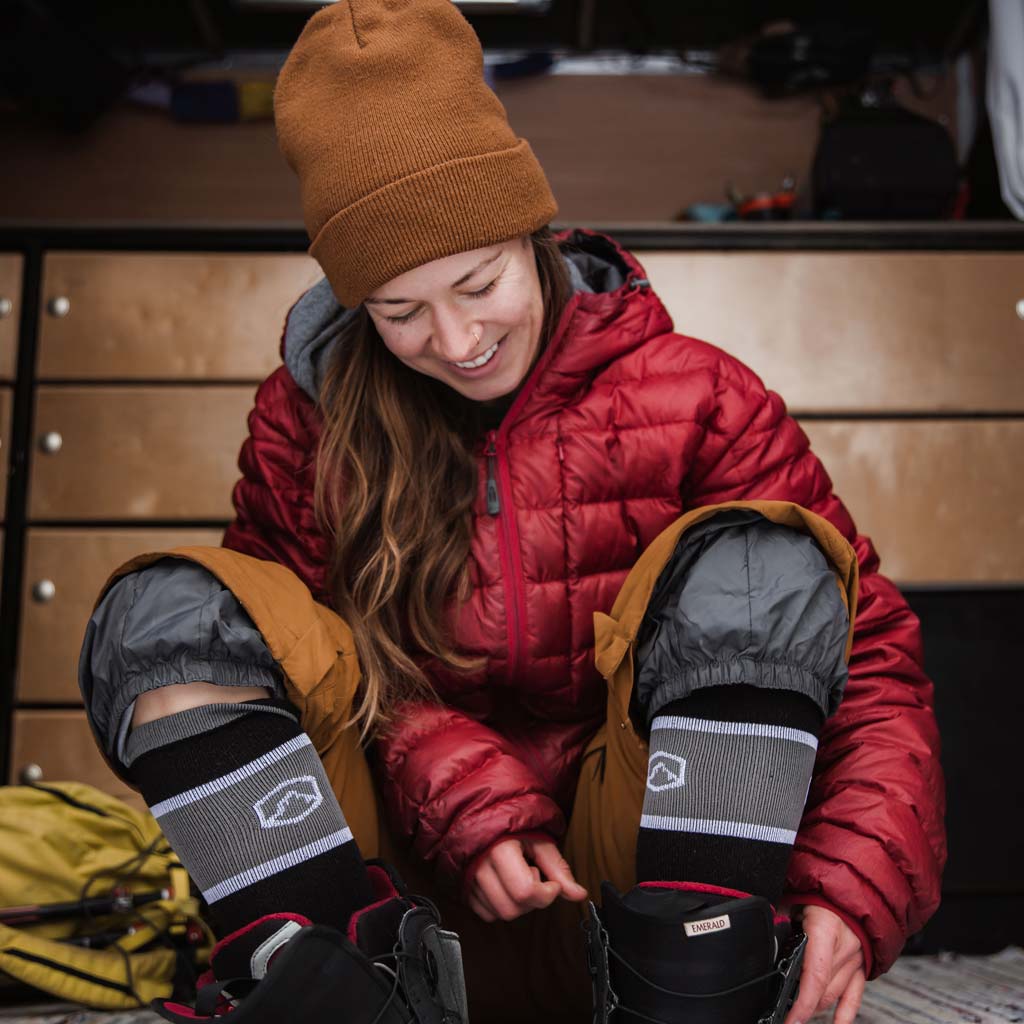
(743, 600)
(163, 640)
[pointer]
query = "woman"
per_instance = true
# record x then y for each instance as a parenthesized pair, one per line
(480, 430)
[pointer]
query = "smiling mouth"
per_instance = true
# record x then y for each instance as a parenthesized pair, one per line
(481, 360)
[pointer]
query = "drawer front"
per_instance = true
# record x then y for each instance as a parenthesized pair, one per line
(6, 407)
(156, 316)
(137, 453)
(943, 501)
(60, 744)
(64, 571)
(850, 332)
(10, 313)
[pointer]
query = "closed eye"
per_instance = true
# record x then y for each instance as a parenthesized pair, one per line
(406, 317)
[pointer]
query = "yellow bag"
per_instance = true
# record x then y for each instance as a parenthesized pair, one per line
(66, 841)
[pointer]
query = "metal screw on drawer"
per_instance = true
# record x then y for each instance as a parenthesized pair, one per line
(59, 306)
(44, 591)
(6, 307)
(29, 774)
(1020, 308)
(51, 442)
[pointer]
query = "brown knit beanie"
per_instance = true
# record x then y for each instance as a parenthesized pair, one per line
(404, 155)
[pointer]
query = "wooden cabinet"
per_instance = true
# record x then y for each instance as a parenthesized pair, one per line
(54, 746)
(6, 405)
(843, 332)
(166, 316)
(126, 453)
(64, 571)
(940, 499)
(906, 369)
(10, 312)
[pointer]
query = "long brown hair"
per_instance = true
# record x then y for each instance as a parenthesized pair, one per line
(395, 483)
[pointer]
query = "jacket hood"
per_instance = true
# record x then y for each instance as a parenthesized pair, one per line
(596, 266)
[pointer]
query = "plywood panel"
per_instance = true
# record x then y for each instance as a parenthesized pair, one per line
(64, 571)
(880, 331)
(137, 453)
(60, 743)
(151, 316)
(942, 500)
(10, 312)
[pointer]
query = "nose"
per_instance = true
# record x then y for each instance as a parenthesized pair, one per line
(456, 338)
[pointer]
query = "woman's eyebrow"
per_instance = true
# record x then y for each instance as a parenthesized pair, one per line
(461, 280)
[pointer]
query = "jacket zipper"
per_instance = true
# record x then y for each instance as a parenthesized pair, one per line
(493, 503)
(499, 496)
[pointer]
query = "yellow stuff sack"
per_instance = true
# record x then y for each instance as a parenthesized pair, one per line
(66, 841)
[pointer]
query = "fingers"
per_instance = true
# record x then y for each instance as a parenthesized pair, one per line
(849, 1001)
(841, 978)
(816, 973)
(554, 866)
(510, 885)
(479, 905)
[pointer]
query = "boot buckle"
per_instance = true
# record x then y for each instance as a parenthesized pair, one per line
(790, 961)
(606, 1002)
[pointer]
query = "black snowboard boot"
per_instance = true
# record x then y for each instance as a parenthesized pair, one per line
(393, 965)
(679, 953)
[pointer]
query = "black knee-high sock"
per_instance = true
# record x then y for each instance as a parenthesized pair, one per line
(244, 800)
(727, 781)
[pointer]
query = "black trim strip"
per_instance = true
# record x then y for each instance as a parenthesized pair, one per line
(71, 971)
(70, 800)
(809, 235)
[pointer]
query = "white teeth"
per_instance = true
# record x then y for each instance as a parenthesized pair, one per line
(480, 360)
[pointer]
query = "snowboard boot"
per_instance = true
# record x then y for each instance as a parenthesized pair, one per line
(681, 953)
(393, 965)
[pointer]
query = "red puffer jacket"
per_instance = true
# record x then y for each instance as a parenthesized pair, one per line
(622, 426)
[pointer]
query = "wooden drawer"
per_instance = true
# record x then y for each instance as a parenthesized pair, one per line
(137, 453)
(143, 316)
(64, 570)
(871, 331)
(6, 406)
(10, 312)
(943, 500)
(61, 744)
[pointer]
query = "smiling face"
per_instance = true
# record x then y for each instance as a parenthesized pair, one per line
(482, 307)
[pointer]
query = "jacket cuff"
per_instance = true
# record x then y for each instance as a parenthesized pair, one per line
(851, 922)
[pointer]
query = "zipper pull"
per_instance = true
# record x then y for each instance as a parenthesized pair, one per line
(493, 504)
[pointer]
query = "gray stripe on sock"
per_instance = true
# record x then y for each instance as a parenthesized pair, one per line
(701, 826)
(207, 789)
(727, 778)
(264, 813)
(782, 732)
(183, 725)
(272, 867)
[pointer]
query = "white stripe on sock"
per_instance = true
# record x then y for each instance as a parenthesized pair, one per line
(252, 875)
(709, 827)
(775, 732)
(190, 796)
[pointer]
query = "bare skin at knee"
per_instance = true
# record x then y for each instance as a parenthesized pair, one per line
(169, 700)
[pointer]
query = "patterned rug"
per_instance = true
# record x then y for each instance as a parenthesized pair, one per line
(945, 989)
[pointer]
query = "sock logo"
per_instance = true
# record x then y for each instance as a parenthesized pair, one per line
(665, 771)
(289, 802)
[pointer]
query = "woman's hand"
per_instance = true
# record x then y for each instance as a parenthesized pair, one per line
(519, 875)
(833, 971)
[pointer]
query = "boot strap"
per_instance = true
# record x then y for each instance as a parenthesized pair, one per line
(791, 960)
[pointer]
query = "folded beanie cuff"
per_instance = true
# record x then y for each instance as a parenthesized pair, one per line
(452, 207)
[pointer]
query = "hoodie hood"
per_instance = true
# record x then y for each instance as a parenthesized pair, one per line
(316, 321)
